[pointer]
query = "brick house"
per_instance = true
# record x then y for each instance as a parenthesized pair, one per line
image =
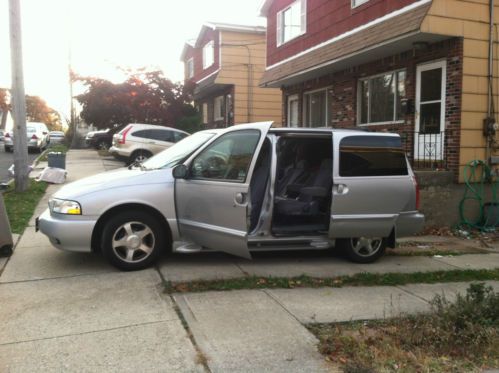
(226, 63)
(416, 67)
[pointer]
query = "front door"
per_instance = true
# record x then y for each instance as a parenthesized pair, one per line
(430, 113)
(293, 112)
(212, 201)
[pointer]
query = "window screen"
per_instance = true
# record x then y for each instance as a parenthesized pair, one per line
(372, 156)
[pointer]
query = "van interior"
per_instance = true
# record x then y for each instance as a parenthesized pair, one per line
(302, 185)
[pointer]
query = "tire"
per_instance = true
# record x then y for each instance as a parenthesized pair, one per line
(362, 249)
(127, 234)
(102, 145)
(139, 156)
(7, 149)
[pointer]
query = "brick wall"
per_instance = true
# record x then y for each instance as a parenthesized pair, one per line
(343, 91)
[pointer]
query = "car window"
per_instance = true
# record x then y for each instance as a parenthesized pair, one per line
(144, 134)
(31, 129)
(162, 135)
(372, 156)
(177, 136)
(228, 158)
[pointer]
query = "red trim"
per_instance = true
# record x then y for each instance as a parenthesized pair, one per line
(123, 135)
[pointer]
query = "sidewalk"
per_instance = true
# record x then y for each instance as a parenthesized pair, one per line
(72, 312)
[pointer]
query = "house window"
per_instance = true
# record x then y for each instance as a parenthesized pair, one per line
(189, 68)
(291, 22)
(356, 3)
(205, 113)
(208, 55)
(317, 108)
(219, 108)
(379, 98)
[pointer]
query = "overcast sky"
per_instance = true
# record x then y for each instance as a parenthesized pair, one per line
(103, 34)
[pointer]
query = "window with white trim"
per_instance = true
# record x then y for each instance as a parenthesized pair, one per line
(356, 3)
(219, 108)
(316, 108)
(291, 22)
(208, 54)
(205, 113)
(189, 68)
(380, 98)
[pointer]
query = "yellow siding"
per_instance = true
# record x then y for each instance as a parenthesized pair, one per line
(240, 50)
(469, 19)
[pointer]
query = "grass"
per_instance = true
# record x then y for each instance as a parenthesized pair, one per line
(21, 205)
(360, 279)
(460, 336)
(57, 148)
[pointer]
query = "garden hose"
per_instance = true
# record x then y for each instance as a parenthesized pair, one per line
(476, 174)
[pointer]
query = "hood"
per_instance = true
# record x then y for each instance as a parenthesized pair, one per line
(114, 179)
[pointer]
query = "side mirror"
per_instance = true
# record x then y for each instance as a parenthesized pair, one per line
(180, 171)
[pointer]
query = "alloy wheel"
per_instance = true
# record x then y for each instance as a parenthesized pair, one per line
(133, 242)
(366, 246)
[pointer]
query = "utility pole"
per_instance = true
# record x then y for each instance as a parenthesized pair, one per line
(18, 98)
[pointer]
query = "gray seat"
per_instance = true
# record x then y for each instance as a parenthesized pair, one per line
(312, 196)
(296, 174)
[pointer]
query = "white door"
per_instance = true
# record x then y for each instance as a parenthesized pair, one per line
(430, 112)
(293, 111)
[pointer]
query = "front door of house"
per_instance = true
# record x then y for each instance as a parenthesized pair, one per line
(293, 112)
(430, 113)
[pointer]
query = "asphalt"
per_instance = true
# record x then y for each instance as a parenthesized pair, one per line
(73, 312)
(7, 159)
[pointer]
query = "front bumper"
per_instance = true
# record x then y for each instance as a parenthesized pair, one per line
(66, 232)
(409, 223)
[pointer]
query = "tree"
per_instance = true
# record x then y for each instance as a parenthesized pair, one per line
(145, 97)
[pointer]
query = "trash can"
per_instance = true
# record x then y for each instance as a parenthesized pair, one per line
(56, 159)
(6, 242)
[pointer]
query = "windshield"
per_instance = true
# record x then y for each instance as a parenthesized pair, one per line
(177, 153)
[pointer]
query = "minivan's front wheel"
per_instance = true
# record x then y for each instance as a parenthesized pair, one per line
(363, 249)
(132, 240)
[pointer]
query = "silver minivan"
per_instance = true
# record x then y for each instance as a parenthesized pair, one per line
(244, 189)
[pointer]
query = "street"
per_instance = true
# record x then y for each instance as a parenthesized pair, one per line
(7, 159)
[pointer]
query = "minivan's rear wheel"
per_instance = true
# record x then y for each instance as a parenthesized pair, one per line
(140, 156)
(132, 240)
(363, 249)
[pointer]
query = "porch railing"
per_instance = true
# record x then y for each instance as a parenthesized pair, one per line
(426, 150)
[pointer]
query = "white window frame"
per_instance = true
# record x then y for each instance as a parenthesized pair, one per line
(205, 112)
(356, 3)
(306, 111)
(290, 99)
(208, 51)
(189, 66)
(359, 106)
(218, 103)
(280, 20)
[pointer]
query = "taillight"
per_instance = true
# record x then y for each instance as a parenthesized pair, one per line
(416, 187)
(7, 135)
(122, 138)
(34, 137)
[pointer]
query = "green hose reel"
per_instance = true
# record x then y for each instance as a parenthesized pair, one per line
(476, 175)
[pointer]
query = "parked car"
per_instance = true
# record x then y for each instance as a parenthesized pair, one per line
(138, 142)
(56, 137)
(38, 137)
(102, 139)
(242, 189)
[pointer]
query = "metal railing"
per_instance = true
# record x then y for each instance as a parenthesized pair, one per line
(426, 150)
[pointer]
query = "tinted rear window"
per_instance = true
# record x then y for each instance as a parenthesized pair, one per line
(372, 156)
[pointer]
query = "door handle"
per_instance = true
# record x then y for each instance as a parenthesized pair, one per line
(240, 198)
(340, 189)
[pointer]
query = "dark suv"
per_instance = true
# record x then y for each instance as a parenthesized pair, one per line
(102, 139)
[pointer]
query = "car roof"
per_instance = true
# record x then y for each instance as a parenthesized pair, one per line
(152, 126)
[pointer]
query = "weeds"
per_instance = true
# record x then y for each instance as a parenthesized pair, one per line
(455, 336)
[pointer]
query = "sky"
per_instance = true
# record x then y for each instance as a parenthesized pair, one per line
(101, 35)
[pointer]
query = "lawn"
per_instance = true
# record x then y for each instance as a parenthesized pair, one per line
(21, 205)
(454, 337)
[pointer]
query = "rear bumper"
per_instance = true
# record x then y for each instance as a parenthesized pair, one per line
(66, 233)
(118, 153)
(409, 223)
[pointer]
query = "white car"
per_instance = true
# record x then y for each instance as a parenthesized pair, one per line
(38, 137)
(138, 142)
(56, 137)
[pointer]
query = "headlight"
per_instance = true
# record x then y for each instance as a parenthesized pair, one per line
(62, 206)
